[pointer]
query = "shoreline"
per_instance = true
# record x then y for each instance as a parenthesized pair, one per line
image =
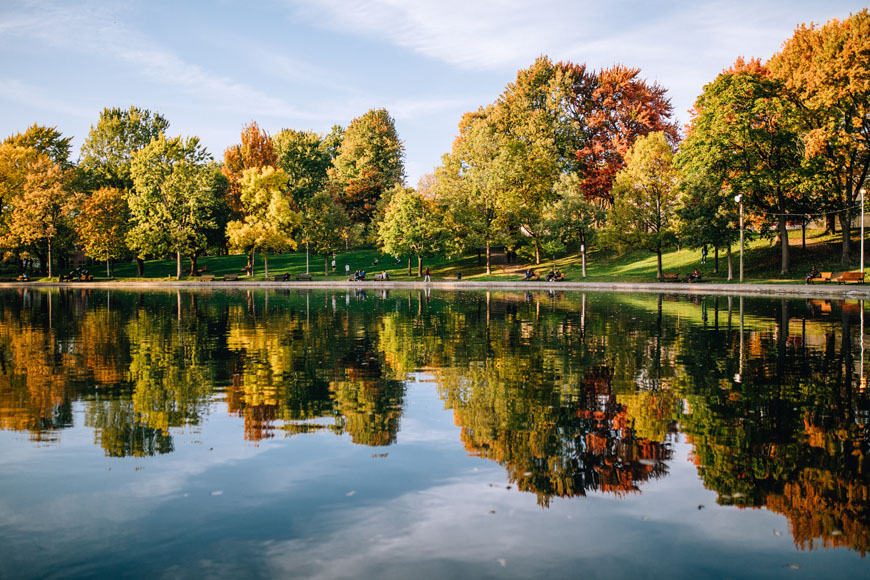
(836, 291)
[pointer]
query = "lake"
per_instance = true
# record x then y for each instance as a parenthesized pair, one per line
(394, 434)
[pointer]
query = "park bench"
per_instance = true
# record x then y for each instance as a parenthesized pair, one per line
(845, 277)
(308, 277)
(670, 277)
(823, 277)
(207, 277)
(231, 277)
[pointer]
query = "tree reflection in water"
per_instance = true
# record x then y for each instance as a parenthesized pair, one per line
(571, 393)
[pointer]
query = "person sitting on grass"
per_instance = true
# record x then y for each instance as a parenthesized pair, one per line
(695, 276)
(551, 275)
(530, 275)
(384, 275)
(814, 273)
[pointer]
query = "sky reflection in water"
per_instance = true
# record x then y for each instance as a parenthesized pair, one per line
(338, 435)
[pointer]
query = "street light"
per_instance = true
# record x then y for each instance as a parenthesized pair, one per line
(739, 199)
(862, 230)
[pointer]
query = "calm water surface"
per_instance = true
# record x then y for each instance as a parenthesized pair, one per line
(446, 435)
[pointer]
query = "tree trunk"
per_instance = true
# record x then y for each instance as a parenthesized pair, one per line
(49, 258)
(730, 266)
(140, 267)
(783, 240)
(830, 224)
(409, 267)
(846, 226)
(488, 258)
(659, 264)
(108, 267)
(419, 265)
(178, 264)
(266, 264)
(583, 253)
(715, 259)
(537, 252)
(804, 234)
(194, 258)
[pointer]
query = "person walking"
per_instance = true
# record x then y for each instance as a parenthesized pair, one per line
(704, 254)
(427, 274)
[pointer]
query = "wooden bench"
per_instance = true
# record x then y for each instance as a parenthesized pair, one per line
(845, 277)
(207, 277)
(231, 277)
(823, 277)
(670, 277)
(308, 277)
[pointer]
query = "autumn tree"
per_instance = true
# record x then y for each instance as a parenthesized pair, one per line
(42, 214)
(108, 150)
(826, 68)
(173, 199)
(102, 225)
(14, 163)
(645, 193)
(369, 162)
(610, 109)
(48, 141)
(324, 225)
(254, 151)
(745, 133)
(269, 219)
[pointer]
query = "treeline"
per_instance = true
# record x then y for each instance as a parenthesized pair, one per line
(137, 193)
(566, 157)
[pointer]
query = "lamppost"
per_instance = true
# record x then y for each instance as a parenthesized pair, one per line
(862, 230)
(739, 199)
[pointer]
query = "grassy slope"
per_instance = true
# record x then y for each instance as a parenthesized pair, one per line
(761, 264)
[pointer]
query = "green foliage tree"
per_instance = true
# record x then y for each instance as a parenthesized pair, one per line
(571, 219)
(269, 221)
(470, 183)
(411, 226)
(745, 133)
(645, 193)
(369, 162)
(305, 158)
(323, 226)
(108, 150)
(173, 199)
(706, 212)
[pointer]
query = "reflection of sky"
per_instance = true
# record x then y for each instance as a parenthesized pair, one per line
(317, 506)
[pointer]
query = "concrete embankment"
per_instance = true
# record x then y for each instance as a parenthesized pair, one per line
(852, 291)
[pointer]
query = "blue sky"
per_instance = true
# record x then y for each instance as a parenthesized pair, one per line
(212, 67)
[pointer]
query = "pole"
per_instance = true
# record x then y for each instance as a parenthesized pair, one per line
(739, 199)
(862, 230)
(306, 258)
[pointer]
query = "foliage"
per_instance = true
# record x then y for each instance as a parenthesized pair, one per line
(102, 224)
(644, 196)
(324, 224)
(826, 68)
(610, 109)
(255, 151)
(571, 220)
(305, 158)
(411, 225)
(46, 141)
(269, 220)
(43, 212)
(108, 149)
(369, 162)
(173, 200)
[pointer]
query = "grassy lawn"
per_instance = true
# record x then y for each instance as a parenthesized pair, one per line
(761, 264)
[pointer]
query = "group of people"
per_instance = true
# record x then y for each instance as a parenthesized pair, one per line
(552, 275)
